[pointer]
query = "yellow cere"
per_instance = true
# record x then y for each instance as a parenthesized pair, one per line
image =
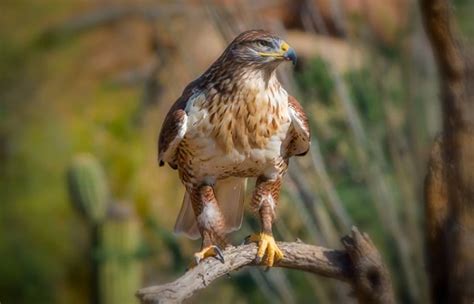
(283, 48)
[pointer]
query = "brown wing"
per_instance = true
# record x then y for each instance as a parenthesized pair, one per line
(300, 132)
(172, 132)
(174, 128)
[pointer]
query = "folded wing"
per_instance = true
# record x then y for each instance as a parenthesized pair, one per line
(173, 129)
(300, 134)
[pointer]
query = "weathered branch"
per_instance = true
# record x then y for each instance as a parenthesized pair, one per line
(360, 265)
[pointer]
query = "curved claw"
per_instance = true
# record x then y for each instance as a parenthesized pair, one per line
(209, 251)
(219, 254)
(266, 247)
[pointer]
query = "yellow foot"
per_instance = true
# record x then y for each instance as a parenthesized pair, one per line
(209, 251)
(266, 247)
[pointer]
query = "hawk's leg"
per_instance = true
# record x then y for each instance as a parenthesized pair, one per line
(264, 202)
(210, 222)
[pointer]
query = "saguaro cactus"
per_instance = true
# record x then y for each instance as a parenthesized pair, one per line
(88, 188)
(114, 234)
(90, 195)
(120, 271)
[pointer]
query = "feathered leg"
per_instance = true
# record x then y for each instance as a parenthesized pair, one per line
(264, 202)
(210, 222)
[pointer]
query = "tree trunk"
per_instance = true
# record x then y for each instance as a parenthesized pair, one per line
(449, 188)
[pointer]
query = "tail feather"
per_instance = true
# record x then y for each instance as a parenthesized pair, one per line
(186, 221)
(230, 194)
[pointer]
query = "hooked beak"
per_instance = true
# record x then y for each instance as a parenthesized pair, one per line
(286, 52)
(290, 55)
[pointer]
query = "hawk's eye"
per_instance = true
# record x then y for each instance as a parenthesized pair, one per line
(264, 43)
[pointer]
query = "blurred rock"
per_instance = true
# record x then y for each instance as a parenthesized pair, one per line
(338, 52)
(386, 19)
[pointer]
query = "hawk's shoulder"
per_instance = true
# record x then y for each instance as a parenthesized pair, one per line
(174, 127)
(300, 131)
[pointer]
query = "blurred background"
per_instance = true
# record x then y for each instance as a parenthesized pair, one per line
(86, 215)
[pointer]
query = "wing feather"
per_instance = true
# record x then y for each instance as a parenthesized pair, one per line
(174, 128)
(300, 132)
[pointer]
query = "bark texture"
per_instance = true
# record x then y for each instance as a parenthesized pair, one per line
(359, 264)
(449, 187)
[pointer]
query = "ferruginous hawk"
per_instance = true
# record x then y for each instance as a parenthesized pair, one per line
(233, 122)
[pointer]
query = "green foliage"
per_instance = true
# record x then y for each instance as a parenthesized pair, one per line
(29, 271)
(316, 81)
(365, 95)
(463, 10)
(169, 241)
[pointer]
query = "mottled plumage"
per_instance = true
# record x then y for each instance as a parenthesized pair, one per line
(233, 122)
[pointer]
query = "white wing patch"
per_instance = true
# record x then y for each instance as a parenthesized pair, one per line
(297, 122)
(301, 137)
(169, 153)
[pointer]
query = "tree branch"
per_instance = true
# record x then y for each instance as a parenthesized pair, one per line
(360, 265)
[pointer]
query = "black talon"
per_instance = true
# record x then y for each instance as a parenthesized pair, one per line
(247, 239)
(219, 254)
(258, 260)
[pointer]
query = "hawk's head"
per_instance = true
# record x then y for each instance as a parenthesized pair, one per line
(261, 49)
